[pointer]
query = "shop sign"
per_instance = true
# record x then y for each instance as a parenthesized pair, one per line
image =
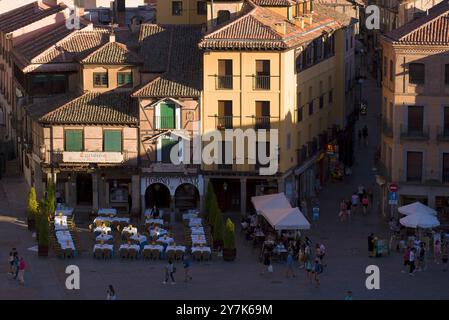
(92, 157)
(393, 198)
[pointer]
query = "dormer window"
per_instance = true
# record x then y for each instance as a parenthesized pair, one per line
(100, 79)
(124, 79)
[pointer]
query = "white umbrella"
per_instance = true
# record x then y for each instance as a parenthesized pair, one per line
(416, 207)
(420, 220)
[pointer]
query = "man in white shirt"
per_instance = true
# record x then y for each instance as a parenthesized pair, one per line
(411, 261)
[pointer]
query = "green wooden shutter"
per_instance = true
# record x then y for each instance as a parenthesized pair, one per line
(128, 78)
(112, 141)
(73, 140)
(167, 116)
(120, 79)
(167, 145)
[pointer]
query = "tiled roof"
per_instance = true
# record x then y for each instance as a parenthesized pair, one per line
(25, 15)
(42, 106)
(257, 29)
(274, 3)
(96, 108)
(112, 53)
(430, 29)
(173, 51)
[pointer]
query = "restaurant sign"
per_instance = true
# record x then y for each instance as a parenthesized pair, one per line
(92, 157)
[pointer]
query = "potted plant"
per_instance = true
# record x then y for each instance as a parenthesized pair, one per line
(211, 199)
(218, 229)
(50, 198)
(32, 209)
(229, 250)
(43, 230)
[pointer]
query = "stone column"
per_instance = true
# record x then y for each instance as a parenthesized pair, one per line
(95, 191)
(243, 196)
(135, 193)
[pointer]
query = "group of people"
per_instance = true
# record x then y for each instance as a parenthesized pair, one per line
(414, 257)
(170, 270)
(363, 133)
(359, 199)
(311, 260)
(16, 266)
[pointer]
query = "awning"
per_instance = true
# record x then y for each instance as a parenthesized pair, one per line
(417, 207)
(276, 209)
(420, 220)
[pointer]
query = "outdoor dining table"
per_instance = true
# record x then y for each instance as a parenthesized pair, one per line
(198, 239)
(106, 230)
(61, 223)
(103, 237)
(139, 238)
(107, 212)
(166, 240)
(201, 249)
(63, 236)
(176, 248)
(195, 222)
(130, 230)
(188, 216)
(129, 246)
(158, 232)
(104, 247)
(153, 247)
(64, 211)
(154, 221)
(69, 245)
(197, 230)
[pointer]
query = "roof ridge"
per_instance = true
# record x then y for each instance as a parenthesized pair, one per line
(446, 12)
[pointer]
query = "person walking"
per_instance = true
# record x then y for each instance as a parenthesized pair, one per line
(322, 254)
(110, 293)
(365, 135)
(21, 271)
(437, 251)
(365, 203)
(360, 192)
(354, 202)
(421, 257)
(290, 265)
(301, 257)
(349, 208)
(266, 263)
(186, 264)
(16, 265)
(304, 208)
(11, 260)
(309, 270)
(411, 262)
(405, 257)
(318, 269)
(444, 255)
(343, 214)
(169, 271)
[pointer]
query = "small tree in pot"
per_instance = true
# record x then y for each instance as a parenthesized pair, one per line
(210, 202)
(32, 209)
(229, 250)
(43, 230)
(218, 229)
(50, 198)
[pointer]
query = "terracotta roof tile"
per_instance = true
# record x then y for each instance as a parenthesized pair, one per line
(256, 29)
(172, 50)
(96, 108)
(112, 53)
(25, 15)
(431, 29)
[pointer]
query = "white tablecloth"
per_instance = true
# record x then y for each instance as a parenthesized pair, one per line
(198, 237)
(154, 221)
(201, 249)
(70, 245)
(141, 238)
(195, 222)
(174, 248)
(109, 219)
(158, 232)
(129, 246)
(107, 212)
(197, 230)
(188, 216)
(61, 223)
(103, 246)
(132, 231)
(102, 229)
(165, 240)
(65, 240)
(103, 237)
(153, 247)
(64, 211)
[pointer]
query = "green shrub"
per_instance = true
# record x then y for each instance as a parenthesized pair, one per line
(50, 197)
(33, 205)
(210, 201)
(229, 235)
(218, 226)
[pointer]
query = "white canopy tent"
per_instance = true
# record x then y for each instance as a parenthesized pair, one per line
(276, 209)
(420, 220)
(416, 207)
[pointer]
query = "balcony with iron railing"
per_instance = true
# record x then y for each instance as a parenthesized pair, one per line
(262, 82)
(408, 133)
(224, 122)
(262, 122)
(387, 128)
(442, 134)
(223, 82)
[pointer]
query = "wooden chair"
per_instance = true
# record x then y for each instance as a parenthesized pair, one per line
(107, 254)
(124, 253)
(132, 254)
(68, 253)
(170, 254)
(179, 254)
(155, 254)
(197, 255)
(146, 254)
(98, 253)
